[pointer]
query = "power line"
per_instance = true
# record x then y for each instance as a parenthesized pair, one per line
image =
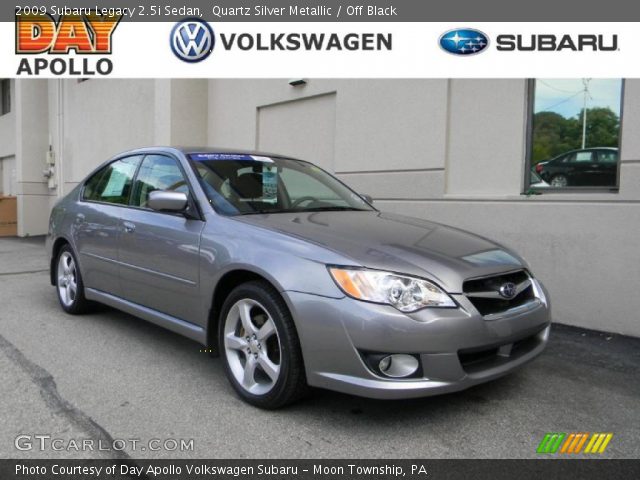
(555, 88)
(546, 109)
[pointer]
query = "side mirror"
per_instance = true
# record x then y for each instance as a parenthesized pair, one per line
(367, 198)
(163, 200)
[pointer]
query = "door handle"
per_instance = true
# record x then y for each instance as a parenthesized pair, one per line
(129, 227)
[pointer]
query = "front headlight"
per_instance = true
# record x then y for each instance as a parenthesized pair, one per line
(407, 294)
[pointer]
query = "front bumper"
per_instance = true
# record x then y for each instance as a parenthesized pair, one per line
(457, 347)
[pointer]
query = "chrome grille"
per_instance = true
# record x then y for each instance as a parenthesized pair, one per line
(499, 293)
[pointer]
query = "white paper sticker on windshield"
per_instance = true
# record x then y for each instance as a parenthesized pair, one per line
(116, 184)
(269, 184)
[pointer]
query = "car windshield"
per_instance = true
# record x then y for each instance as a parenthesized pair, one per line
(251, 184)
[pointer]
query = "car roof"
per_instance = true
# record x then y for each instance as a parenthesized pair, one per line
(187, 150)
(237, 151)
(589, 149)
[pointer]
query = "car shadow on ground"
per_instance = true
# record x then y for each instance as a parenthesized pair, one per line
(318, 401)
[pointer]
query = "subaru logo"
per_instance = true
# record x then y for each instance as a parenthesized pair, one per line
(192, 40)
(508, 290)
(464, 41)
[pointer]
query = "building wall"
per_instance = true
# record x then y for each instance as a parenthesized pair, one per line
(8, 149)
(100, 119)
(32, 142)
(454, 151)
(8, 128)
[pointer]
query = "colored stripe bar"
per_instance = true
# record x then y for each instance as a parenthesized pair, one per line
(583, 439)
(551, 442)
(593, 439)
(598, 442)
(558, 442)
(572, 443)
(542, 448)
(606, 441)
(567, 443)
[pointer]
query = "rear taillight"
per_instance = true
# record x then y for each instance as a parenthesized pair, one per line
(539, 168)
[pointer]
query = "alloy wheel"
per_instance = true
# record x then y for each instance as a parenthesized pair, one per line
(67, 279)
(559, 181)
(252, 346)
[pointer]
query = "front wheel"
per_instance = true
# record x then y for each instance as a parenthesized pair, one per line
(260, 347)
(69, 283)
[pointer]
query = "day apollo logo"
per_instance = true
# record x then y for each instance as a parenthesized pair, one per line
(192, 40)
(75, 40)
(464, 41)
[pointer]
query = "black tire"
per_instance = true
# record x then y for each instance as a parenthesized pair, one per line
(78, 304)
(291, 384)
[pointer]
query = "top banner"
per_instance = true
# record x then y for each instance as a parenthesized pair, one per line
(334, 39)
(337, 10)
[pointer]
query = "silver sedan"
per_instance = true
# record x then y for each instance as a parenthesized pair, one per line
(292, 277)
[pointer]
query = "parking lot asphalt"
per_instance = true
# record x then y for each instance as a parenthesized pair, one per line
(108, 375)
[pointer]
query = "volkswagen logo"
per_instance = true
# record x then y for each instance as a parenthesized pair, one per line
(464, 41)
(508, 290)
(192, 40)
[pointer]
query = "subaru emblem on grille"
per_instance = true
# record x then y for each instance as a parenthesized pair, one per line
(508, 290)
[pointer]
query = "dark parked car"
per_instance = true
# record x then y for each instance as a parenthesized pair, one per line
(592, 167)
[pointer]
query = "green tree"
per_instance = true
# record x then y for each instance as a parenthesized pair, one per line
(554, 134)
(603, 127)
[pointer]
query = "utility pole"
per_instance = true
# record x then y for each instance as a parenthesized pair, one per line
(585, 82)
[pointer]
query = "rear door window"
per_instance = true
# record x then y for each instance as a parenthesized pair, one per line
(582, 157)
(112, 184)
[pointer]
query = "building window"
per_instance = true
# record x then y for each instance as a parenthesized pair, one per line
(5, 96)
(574, 134)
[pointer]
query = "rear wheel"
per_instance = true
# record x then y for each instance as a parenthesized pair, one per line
(69, 283)
(260, 348)
(559, 181)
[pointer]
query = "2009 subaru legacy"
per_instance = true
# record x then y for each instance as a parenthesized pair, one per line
(293, 277)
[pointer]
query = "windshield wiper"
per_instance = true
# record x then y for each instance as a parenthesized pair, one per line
(259, 212)
(332, 209)
(302, 210)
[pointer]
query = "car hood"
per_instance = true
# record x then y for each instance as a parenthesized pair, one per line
(396, 243)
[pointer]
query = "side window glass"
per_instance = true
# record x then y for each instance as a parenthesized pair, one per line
(157, 172)
(582, 157)
(112, 184)
(91, 186)
(608, 156)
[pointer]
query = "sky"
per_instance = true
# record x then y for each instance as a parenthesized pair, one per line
(565, 96)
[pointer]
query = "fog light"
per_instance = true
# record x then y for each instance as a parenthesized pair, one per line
(384, 364)
(398, 365)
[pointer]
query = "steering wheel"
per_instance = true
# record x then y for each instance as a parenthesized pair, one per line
(300, 200)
